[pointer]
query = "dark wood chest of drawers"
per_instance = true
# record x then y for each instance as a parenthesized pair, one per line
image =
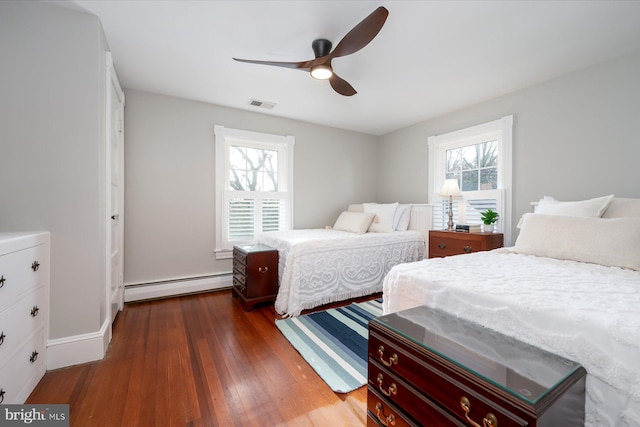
(255, 274)
(445, 243)
(429, 368)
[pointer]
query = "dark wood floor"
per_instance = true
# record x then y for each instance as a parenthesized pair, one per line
(199, 360)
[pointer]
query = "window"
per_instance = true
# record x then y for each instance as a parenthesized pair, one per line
(479, 157)
(254, 186)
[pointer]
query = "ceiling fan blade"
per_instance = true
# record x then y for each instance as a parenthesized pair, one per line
(302, 65)
(361, 34)
(341, 86)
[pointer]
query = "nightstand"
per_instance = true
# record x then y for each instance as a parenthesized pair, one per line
(255, 274)
(444, 243)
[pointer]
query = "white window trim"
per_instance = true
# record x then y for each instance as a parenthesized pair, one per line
(503, 129)
(223, 138)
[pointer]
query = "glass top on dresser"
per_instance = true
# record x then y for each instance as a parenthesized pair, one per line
(525, 371)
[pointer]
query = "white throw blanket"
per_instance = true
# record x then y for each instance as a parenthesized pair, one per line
(584, 312)
(320, 266)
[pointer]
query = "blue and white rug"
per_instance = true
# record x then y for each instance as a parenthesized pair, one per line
(334, 342)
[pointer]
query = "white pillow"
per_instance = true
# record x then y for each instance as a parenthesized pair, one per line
(621, 206)
(612, 242)
(383, 222)
(355, 222)
(590, 208)
(402, 217)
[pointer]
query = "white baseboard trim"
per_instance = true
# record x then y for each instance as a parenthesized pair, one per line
(73, 350)
(175, 287)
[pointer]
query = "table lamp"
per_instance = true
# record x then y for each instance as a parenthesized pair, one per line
(451, 189)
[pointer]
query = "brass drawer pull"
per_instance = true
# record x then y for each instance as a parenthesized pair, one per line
(393, 388)
(442, 245)
(263, 269)
(489, 420)
(467, 249)
(389, 420)
(393, 360)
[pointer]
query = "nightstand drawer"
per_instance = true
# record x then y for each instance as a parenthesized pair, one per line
(447, 243)
(448, 247)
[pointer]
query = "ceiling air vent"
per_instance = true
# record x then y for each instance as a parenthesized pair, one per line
(262, 104)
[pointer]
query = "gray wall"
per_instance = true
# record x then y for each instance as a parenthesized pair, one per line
(574, 137)
(51, 150)
(170, 188)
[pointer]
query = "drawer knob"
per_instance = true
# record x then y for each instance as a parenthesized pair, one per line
(393, 388)
(393, 360)
(2, 280)
(467, 249)
(34, 356)
(263, 269)
(389, 420)
(442, 245)
(489, 420)
(2, 337)
(2, 392)
(35, 266)
(34, 311)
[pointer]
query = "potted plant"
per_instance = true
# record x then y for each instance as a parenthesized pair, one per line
(489, 218)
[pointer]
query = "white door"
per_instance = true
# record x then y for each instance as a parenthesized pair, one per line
(115, 192)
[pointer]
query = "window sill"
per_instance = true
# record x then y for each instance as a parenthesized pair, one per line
(224, 253)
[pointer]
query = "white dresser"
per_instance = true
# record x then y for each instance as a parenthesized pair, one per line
(24, 313)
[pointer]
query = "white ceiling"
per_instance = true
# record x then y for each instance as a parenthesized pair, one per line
(430, 58)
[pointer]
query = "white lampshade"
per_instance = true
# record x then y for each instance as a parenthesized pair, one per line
(450, 188)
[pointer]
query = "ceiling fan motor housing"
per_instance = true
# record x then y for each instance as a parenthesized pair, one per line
(321, 47)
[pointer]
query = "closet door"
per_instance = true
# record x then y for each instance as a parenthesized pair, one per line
(115, 192)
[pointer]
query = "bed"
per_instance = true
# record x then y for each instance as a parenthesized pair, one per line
(570, 285)
(349, 259)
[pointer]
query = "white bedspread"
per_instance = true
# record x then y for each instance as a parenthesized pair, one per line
(584, 312)
(319, 266)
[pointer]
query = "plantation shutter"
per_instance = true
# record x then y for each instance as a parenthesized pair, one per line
(467, 210)
(249, 213)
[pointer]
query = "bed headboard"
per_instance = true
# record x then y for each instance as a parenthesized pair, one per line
(420, 219)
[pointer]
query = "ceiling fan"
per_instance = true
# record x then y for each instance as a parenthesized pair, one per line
(353, 41)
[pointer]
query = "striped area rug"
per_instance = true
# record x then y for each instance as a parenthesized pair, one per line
(334, 342)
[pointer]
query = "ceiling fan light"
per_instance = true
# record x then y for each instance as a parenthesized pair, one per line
(321, 72)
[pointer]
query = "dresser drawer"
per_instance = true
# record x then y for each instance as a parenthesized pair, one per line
(21, 272)
(440, 380)
(22, 371)
(20, 321)
(382, 413)
(402, 395)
